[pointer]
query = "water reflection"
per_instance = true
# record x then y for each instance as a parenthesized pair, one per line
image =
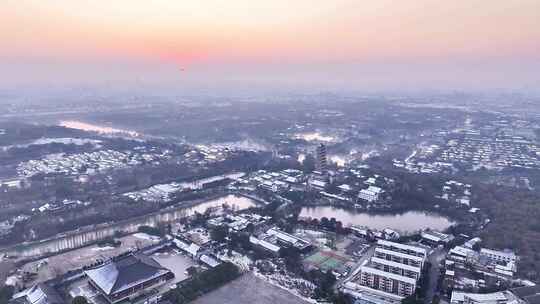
(314, 136)
(73, 124)
(406, 223)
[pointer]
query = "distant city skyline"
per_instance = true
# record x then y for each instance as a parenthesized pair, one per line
(341, 44)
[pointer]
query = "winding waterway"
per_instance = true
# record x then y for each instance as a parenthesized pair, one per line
(89, 235)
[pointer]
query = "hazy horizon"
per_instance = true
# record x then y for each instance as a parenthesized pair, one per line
(322, 45)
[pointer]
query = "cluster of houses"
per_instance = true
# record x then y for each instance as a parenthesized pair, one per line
(86, 163)
(202, 155)
(359, 190)
(456, 192)
(165, 192)
(56, 206)
(492, 152)
(275, 182)
(196, 244)
(468, 267)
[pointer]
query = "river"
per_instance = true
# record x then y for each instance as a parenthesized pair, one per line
(407, 222)
(73, 124)
(88, 235)
(235, 202)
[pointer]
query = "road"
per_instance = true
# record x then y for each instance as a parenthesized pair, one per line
(434, 258)
(356, 267)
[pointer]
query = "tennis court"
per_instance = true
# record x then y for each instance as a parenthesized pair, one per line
(327, 261)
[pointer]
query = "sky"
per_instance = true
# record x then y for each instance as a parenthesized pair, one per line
(313, 44)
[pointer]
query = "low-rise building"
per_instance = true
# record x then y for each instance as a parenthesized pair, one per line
(127, 277)
(435, 237)
(38, 294)
(371, 194)
(502, 297)
(274, 239)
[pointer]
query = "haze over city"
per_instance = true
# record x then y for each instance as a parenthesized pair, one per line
(269, 152)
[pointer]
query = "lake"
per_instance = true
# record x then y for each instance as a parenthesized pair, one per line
(407, 222)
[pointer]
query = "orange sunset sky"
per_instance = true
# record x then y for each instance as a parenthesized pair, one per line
(333, 43)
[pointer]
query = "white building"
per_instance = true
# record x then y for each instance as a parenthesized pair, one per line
(435, 237)
(371, 194)
(462, 254)
(498, 256)
(502, 297)
(317, 184)
(387, 282)
(345, 188)
(403, 248)
(394, 269)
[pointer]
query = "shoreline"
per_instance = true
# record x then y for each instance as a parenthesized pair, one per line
(104, 230)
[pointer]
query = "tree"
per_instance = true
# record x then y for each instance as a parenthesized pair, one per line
(308, 164)
(203, 282)
(192, 270)
(149, 230)
(340, 298)
(79, 300)
(6, 293)
(325, 284)
(219, 233)
(412, 299)
(293, 259)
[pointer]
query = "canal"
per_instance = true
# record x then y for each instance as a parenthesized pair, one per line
(88, 235)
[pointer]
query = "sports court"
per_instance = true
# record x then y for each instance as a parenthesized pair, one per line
(327, 261)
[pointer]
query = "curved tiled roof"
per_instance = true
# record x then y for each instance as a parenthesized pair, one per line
(125, 272)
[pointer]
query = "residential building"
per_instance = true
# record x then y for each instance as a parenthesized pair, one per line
(393, 269)
(387, 281)
(497, 255)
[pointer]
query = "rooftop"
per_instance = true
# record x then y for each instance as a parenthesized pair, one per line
(37, 294)
(120, 274)
(406, 247)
